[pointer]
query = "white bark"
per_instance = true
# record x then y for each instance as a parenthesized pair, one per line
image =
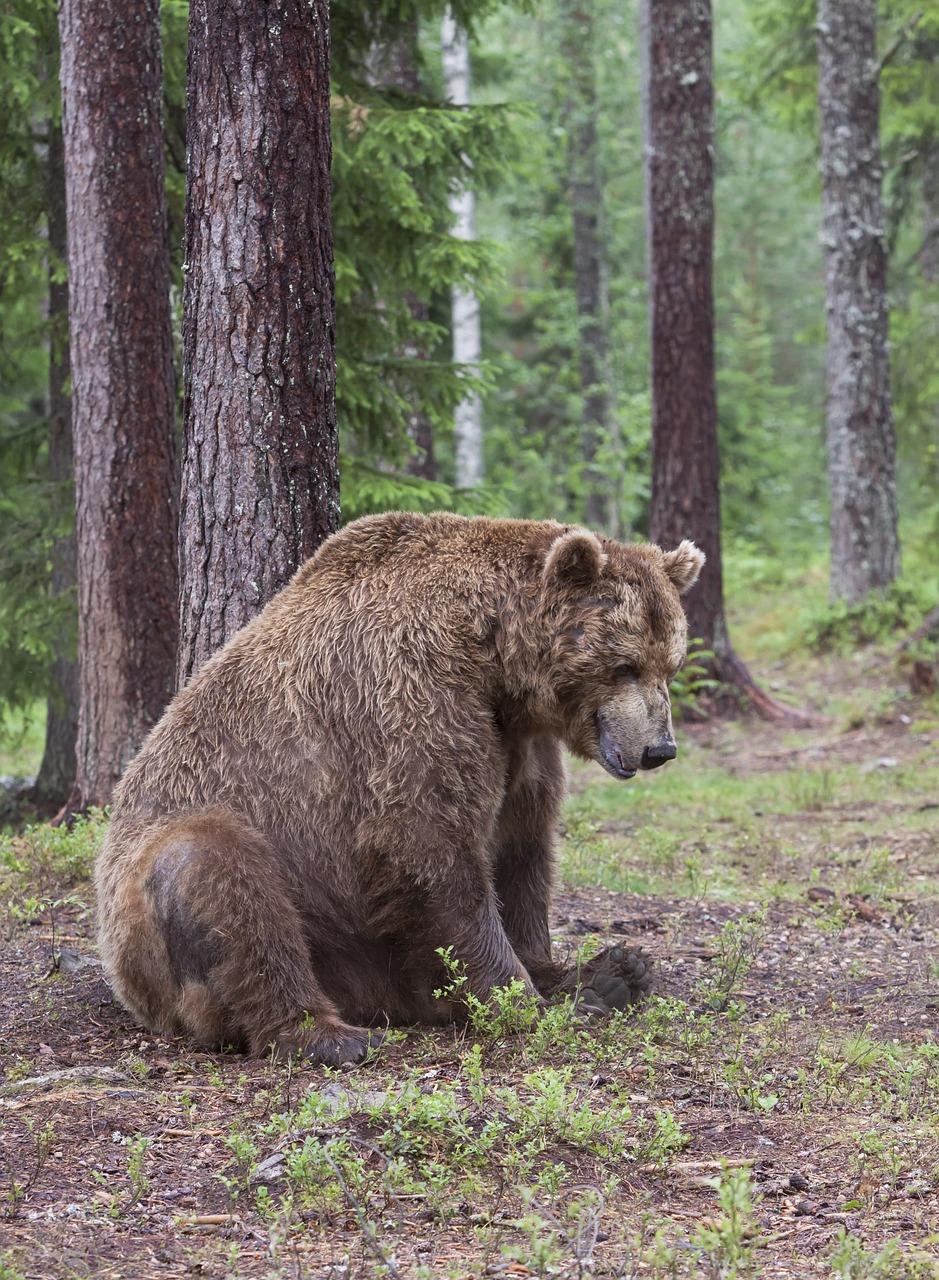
(467, 340)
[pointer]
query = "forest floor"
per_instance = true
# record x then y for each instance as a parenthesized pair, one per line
(772, 1111)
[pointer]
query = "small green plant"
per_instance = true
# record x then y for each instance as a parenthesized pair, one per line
(41, 1142)
(852, 1259)
(245, 1155)
(508, 1011)
(727, 1244)
(566, 1232)
(137, 1148)
(737, 944)
(662, 1139)
(9, 1269)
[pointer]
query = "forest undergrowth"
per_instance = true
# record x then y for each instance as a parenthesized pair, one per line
(771, 1111)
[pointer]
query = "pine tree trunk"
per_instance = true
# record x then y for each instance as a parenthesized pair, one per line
(679, 104)
(678, 126)
(122, 380)
(577, 48)
(865, 550)
(58, 767)
(467, 337)
(260, 487)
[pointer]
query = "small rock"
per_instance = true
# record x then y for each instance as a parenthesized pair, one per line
(882, 762)
(70, 961)
(272, 1169)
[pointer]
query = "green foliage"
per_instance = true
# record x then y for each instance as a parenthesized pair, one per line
(46, 861)
(31, 619)
(842, 627)
(534, 417)
(852, 1259)
(692, 681)
(394, 165)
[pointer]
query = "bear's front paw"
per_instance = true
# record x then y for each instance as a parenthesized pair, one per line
(328, 1044)
(614, 979)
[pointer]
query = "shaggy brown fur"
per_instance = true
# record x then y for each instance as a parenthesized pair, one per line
(371, 770)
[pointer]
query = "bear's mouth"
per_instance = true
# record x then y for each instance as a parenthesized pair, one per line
(609, 751)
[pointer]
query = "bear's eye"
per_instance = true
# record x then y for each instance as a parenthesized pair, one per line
(626, 672)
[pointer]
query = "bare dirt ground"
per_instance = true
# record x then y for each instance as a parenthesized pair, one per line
(773, 1112)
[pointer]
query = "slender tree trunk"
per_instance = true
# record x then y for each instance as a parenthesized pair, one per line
(577, 49)
(58, 768)
(467, 337)
(865, 549)
(260, 484)
(678, 125)
(929, 254)
(122, 380)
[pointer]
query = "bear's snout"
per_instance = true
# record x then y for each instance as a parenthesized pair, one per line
(661, 753)
(612, 753)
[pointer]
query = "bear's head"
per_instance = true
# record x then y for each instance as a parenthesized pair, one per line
(617, 635)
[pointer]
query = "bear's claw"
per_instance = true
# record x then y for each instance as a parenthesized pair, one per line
(329, 1046)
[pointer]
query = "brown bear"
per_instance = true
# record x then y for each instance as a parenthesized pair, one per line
(371, 771)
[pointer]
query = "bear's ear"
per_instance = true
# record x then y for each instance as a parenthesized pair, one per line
(683, 565)
(575, 559)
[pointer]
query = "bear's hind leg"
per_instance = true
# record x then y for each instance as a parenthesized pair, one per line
(237, 963)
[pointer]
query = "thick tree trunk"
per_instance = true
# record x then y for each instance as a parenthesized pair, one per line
(678, 125)
(57, 771)
(122, 380)
(865, 549)
(260, 486)
(467, 335)
(577, 48)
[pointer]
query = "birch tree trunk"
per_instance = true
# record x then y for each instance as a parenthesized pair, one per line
(122, 380)
(260, 473)
(678, 105)
(577, 48)
(865, 549)
(467, 339)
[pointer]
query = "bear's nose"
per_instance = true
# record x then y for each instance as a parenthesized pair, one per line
(661, 753)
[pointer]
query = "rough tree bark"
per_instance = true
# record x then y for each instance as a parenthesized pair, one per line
(260, 485)
(57, 770)
(678, 133)
(467, 338)
(577, 49)
(122, 380)
(865, 549)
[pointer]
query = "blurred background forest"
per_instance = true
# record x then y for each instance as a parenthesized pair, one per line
(394, 158)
